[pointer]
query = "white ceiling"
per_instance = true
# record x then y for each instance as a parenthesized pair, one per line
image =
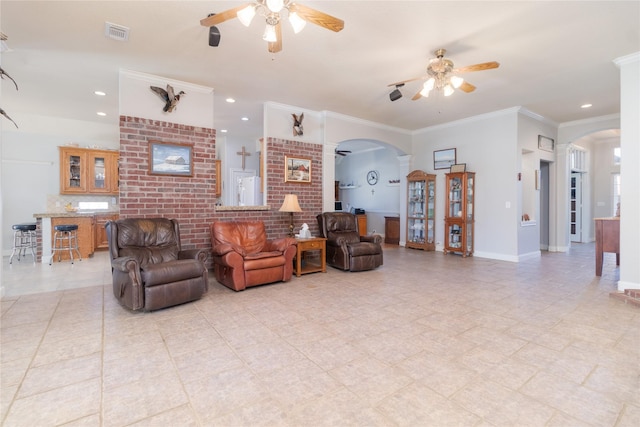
(554, 56)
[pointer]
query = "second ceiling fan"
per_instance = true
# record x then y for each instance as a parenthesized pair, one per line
(298, 15)
(442, 76)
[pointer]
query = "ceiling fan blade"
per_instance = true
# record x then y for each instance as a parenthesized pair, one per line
(477, 67)
(316, 17)
(219, 18)
(277, 45)
(467, 87)
(407, 81)
(417, 96)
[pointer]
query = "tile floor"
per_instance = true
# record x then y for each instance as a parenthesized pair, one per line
(426, 340)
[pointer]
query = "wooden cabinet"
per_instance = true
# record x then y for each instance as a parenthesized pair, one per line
(392, 230)
(362, 224)
(88, 171)
(459, 213)
(218, 188)
(100, 233)
(85, 234)
(421, 208)
(607, 240)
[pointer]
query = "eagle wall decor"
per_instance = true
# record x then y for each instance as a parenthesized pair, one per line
(168, 96)
(297, 125)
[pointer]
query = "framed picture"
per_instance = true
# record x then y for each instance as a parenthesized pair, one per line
(297, 169)
(444, 159)
(170, 159)
(546, 144)
(458, 167)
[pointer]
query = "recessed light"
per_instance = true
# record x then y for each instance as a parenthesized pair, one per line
(586, 106)
(101, 114)
(245, 119)
(230, 100)
(223, 130)
(100, 93)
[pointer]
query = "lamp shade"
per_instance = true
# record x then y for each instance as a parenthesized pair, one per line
(290, 204)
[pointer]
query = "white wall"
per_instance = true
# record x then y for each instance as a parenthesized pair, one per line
(488, 145)
(377, 200)
(530, 127)
(136, 99)
(629, 171)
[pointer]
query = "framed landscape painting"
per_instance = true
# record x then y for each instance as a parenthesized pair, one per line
(170, 159)
(444, 159)
(297, 169)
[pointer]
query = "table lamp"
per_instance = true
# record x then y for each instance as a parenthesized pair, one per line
(290, 205)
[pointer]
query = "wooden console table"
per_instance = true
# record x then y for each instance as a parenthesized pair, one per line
(607, 240)
(311, 244)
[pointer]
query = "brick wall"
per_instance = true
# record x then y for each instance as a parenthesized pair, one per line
(191, 200)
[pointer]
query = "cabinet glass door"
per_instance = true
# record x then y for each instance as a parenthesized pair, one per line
(469, 197)
(455, 236)
(75, 167)
(431, 207)
(99, 172)
(417, 212)
(455, 197)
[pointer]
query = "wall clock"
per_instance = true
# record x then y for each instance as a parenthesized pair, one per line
(372, 177)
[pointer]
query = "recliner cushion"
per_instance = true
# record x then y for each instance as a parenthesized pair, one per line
(348, 237)
(251, 236)
(149, 241)
(171, 271)
(364, 248)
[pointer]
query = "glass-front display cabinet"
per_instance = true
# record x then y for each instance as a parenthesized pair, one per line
(421, 208)
(88, 171)
(459, 214)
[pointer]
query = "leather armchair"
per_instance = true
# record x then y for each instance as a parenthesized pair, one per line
(244, 257)
(346, 249)
(150, 269)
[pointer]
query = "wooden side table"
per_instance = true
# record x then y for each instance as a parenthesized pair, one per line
(311, 244)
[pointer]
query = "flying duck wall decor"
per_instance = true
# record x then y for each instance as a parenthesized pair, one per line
(169, 97)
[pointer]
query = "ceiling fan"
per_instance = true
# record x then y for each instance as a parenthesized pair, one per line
(298, 16)
(342, 152)
(442, 76)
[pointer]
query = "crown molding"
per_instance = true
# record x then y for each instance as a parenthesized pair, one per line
(163, 80)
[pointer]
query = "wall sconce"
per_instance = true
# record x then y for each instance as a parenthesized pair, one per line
(396, 94)
(290, 205)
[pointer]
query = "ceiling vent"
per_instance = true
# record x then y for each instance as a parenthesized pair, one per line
(116, 32)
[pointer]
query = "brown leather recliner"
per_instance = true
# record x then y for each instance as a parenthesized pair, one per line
(346, 249)
(150, 269)
(244, 257)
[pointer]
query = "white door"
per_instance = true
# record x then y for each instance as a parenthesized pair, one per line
(575, 207)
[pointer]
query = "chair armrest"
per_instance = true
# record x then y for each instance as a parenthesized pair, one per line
(372, 238)
(125, 264)
(280, 244)
(199, 254)
(225, 248)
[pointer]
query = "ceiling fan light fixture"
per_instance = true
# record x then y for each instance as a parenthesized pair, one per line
(296, 22)
(448, 90)
(456, 81)
(270, 34)
(245, 16)
(275, 6)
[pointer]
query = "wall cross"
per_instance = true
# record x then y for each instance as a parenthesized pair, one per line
(244, 154)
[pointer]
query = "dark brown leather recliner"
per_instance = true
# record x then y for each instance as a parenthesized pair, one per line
(150, 269)
(244, 257)
(346, 249)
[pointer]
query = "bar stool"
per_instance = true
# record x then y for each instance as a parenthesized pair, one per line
(65, 238)
(24, 237)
